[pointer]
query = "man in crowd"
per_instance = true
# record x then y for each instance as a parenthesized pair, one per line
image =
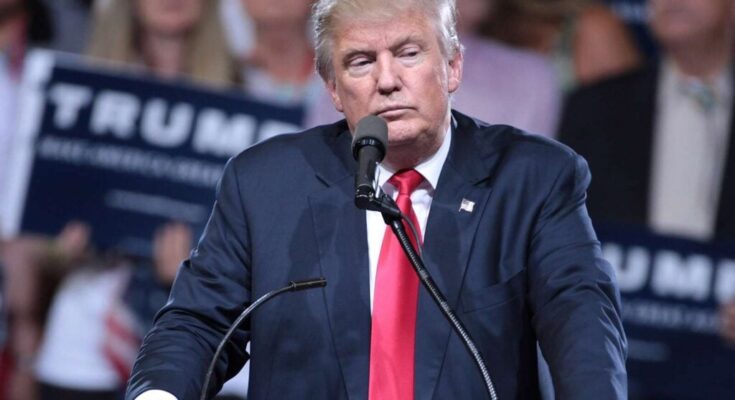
(501, 216)
(661, 140)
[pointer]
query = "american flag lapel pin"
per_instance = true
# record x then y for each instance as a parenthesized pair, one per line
(467, 206)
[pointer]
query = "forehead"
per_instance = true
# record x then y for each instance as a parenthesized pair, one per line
(379, 33)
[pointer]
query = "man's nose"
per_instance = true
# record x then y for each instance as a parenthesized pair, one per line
(387, 74)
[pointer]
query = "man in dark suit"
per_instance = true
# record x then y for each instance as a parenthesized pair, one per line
(505, 233)
(628, 128)
(661, 140)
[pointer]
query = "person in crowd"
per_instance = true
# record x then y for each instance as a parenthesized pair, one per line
(279, 68)
(500, 213)
(584, 39)
(99, 316)
(181, 41)
(661, 139)
(502, 84)
(23, 24)
(103, 306)
(33, 267)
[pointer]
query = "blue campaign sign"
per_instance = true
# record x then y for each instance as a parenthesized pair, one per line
(125, 152)
(671, 290)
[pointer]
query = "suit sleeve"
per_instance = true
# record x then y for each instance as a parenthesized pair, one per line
(209, 292)
(574, 295)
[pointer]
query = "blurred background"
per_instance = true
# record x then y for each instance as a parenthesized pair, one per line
(116, 117)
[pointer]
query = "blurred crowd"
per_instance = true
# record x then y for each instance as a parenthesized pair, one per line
(656, 130)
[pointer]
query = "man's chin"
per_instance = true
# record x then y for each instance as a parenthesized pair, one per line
(402, 139)
(400, 131)
(406, 142)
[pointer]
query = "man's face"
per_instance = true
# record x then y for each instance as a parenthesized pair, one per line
(395, 69)
(684, 21)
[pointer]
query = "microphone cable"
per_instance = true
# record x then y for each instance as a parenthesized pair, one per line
(293, 286)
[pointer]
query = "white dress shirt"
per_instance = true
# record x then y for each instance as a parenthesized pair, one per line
(421, 198)
(690, 142)
(8, 109)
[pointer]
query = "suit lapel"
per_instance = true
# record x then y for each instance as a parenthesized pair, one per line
(341, 235)
(725, 228)
(448, 241)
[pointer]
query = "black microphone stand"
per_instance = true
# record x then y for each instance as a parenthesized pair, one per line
(292, 287)
(394, 218)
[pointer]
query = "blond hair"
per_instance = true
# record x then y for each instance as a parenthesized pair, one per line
(327, 14)
(115, 37)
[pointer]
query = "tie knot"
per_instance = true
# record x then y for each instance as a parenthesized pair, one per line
(406, 181)
(703, 94)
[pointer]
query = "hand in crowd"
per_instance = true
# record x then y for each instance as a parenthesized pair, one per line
(171, 245)
(73, 241)
(727, 327)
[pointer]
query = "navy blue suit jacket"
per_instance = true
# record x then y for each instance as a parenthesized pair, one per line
(523, 267)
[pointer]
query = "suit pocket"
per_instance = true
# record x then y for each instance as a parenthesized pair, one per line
(494, 295)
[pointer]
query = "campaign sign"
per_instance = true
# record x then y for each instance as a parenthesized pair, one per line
(125, 152)
(671, 290)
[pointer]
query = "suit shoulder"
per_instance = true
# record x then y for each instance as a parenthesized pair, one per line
(515, 144)
(517, 159)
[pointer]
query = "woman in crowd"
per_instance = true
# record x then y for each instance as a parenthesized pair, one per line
(185, 40)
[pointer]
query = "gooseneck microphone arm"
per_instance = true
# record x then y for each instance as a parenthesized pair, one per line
(292, 287)
(395, 221)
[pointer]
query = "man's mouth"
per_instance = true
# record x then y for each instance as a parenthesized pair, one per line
(392, 112)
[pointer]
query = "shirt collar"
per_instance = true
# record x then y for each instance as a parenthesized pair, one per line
(430, 168)
(718, 87)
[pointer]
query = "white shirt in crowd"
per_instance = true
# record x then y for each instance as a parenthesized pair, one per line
(8, 101)
(690, 144)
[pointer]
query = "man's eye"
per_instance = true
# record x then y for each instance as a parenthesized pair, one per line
(358, 62)
(409, 52)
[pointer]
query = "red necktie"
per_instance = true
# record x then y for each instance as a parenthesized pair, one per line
(395, 302)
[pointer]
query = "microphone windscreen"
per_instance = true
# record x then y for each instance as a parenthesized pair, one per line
(372, 127)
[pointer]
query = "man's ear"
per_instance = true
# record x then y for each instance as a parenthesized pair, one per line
(332, 88)
(454, 72)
